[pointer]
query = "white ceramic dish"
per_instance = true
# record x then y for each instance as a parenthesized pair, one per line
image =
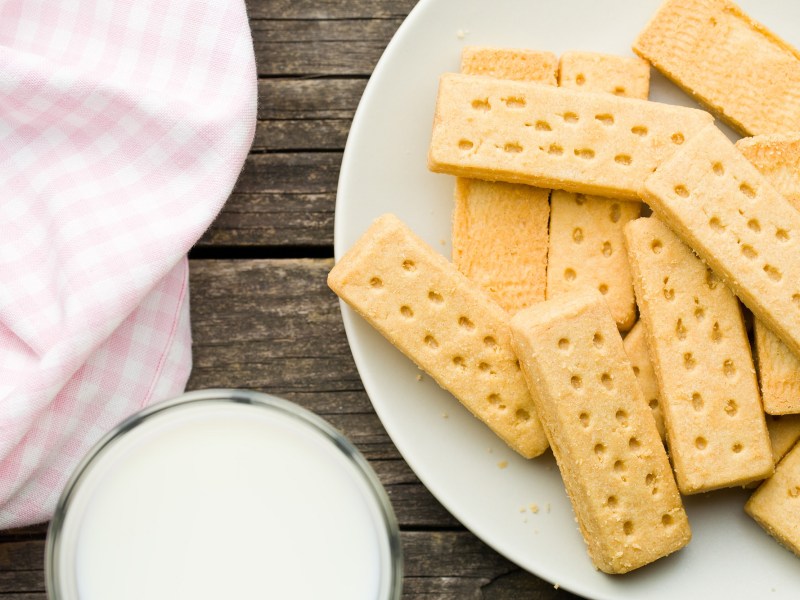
(455, 456)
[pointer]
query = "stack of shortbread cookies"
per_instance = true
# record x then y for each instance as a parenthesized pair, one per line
(554, 161)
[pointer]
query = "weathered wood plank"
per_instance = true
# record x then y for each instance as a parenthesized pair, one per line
(309, 98)
(308, 47)
(328, 9)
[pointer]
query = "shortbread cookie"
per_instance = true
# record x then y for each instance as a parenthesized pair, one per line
(698, 344)
(777, 157)
(784, 432)
(586, 231)
(612, 461)
(725, 210)
(727, 61)
(443, 322)
(549, 137)
(510, 63)
(776, 503)
(635, 344)
(593, 72)
(587, 250)
(500, 239)
(499, 234)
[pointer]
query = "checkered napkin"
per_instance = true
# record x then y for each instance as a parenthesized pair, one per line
(123, 127)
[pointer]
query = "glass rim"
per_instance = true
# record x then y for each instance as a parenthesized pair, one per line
(387, 528)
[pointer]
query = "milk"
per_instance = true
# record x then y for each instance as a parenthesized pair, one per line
(216, 500)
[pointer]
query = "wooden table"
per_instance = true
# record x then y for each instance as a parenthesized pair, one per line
(262, 315)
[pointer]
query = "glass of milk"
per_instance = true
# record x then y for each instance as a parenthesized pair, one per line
(224, 494)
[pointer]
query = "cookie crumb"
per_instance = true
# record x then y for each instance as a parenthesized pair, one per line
(534, 508)
(502, 464)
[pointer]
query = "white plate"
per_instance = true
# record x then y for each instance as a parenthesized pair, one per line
(455, 456)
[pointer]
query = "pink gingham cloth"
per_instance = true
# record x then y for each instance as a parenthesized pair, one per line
(123, 127)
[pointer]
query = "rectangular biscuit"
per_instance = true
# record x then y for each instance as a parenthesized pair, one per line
(519, 64)
(587, 250)
(784, 432)
(548, 137)
(699, 348)
(594, 72)
(500, 239)
(586, 231)
(732, 64)
(612, 461)
(444, 323)
(777, 158)
(499, 234)
(774, 505)
(724, 209)
(635, 344)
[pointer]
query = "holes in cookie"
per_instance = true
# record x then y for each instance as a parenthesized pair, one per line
(431, 342)
(636, 370)
(406, 311)
(716, 332)
(653, 403)
(607, 381)
(677, 138)
(619, 466)
(794, 492)
(512, 148)
(657, 246)
(481, 104)
(796, 299)
(543, 126)
(747, 190)
(731, 408)
(515, 102)
(699, 314)
(729, 369)
(493, 399)
(409, 265)
(584, 419)
(716, 224)
(570, 117)
(580, 199)
(669, 294)
(718, 169)
(619, 91)
(622, 417)
(623, 159)
(681, 191)
(435, 297)
(634, 444)
(607, 249)
(639, 130)
(466, 323)
(376, 283)
(667, 520)
(563, 344)
(522, 414)
(600, 450)
(689, 361)
(605, 119)
(602, 288)
(700, 443)
(597, 340)
(577, 235)
(754, 225)
(459, 362)
(773, 272)
(576, 382)
(555, 150)
(680, 330)
(615, 213)
(569, 274)
(580, 79)
(484, 367)
(737, 448)
(749, 252)
(584, 153)
(650, 479)
(711, 279)
(782, 235)
(490, 342)
(697, 401)
(465, 145)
